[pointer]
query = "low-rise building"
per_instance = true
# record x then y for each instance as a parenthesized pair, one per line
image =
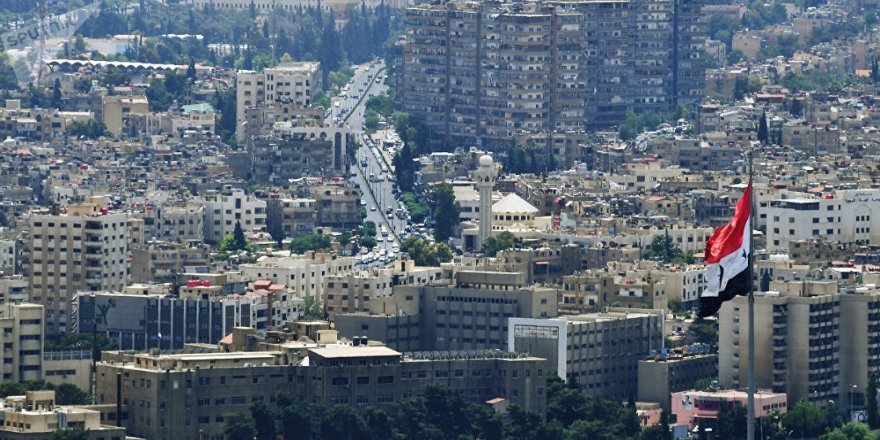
(671, 371)
(691, 406)
(35, 416)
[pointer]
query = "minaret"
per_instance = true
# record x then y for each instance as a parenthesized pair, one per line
(486, 175)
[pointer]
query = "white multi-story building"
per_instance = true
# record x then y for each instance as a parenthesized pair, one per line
(846, 216)
(223, 211)
(683, 284)
(84, 248)
(289, 82)
(303, 274)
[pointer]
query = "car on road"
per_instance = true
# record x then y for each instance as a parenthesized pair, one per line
(373, 208)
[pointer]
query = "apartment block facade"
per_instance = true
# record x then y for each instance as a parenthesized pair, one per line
(290, 82)
(224, 211)
(489, 70)
(816, 346)
(21, 333)
(82, 249)
(448, 317)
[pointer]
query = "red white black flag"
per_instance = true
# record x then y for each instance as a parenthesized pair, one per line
(727, 259)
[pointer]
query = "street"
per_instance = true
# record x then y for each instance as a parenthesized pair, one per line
(377, 190)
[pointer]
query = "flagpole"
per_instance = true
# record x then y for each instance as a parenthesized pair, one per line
(751, 368)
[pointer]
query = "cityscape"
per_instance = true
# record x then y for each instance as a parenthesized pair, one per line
(439, 219)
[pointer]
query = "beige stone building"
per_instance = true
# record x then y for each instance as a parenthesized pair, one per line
(116, 110)
(22, 336)
(293, 82)
(352, 292)
(186, 396)
(84, 248)
(814, 344)
(35, 416)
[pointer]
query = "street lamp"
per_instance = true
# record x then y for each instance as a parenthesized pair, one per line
(851, 392)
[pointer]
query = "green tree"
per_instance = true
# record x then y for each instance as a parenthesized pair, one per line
(56, 94)
(311, 242)
(404, 168)
(417, 211)
(321, 100)
(70, 434)
(850, 431)
(264, 420)
(703, 331)
(808, 420)
(731, 422)
(763, 131)
(664, 249)
(497, 243)
(444, 253)
(342, 422)
(239, 427)
(238, 237)
(312, 310)
(446, 212)
(871, 401)
(296, 416)
(368, 242)
(344, 238)
(92, 129)
(70, 394)
(227, 243)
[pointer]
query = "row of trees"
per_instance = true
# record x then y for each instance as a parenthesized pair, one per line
(439, 414)
(305, 34)
(425, 253)
(65, 394)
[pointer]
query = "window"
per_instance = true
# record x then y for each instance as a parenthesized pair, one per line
(239, 400)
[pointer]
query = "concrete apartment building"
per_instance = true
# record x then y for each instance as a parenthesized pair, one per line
(224, 211)
(161, 261)
(35, 416)
(800, 353)
(290, 82)
(846, 216)
(483, 71)
(295, 152)
(22, 335)
(469, 315)
(599, 352)
(338, 205)
(84, 248)
(116, 110)
(303, 274)
(176, 222)
(609, 57)
(291, 217)
(665, 373)
(183, 396)
(13, 289)
(352, 292)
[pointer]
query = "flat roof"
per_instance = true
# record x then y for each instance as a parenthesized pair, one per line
(350, 351)
(233, 355)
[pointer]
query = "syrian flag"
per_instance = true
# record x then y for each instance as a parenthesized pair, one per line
(727, 259)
